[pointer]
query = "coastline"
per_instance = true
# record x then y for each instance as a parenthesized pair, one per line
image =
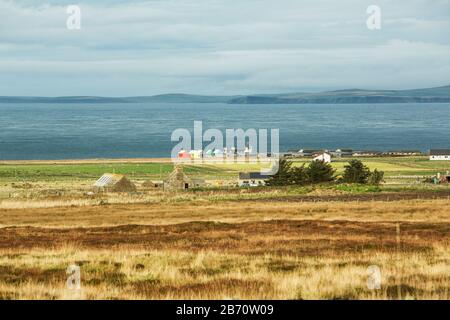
(87, 161)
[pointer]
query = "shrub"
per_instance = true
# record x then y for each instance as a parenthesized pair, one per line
(376, 177)
(299, 175)
(356, 172)
(283, 177)
(319, 171)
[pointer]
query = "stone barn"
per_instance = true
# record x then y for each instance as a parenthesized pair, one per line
(178, 180)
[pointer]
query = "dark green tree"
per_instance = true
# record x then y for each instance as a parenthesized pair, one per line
(319, 171)
(299, 175)
(356, 172)
(376, 177)
(283, 177)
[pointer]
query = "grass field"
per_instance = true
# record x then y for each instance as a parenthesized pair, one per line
(312, 242)
(56, 171)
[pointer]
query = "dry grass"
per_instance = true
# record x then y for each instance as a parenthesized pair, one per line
(218, 244)
(277, 259)
(144, 274)
(227, 211)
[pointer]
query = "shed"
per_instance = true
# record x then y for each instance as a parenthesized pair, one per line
(111, 182)
(252, 179)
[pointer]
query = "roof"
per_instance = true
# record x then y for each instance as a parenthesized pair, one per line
(324, 153)
(177, 176)
(252, 176)
(440, 152)
(404, 151)
(367, 152)
(108, 179)
(309, 151)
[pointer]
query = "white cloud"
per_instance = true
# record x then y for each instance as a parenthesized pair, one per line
(219, 46)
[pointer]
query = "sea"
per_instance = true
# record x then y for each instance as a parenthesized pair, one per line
(143, 130)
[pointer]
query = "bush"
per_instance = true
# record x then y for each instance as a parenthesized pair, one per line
(299, 175)
(319, 171)
(376, 177)
(356, 172)
(283, 177)
(315, 172)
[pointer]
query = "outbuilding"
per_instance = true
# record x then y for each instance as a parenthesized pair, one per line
(325, 157)
(252, 179)
(111, 182)
(178, 180)
(440, 154)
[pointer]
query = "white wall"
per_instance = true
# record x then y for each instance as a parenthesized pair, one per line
(440, 158)
(325, 157)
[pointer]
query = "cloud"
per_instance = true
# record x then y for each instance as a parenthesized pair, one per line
(218, 46)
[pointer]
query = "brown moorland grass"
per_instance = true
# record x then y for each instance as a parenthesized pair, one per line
(125, 273)
(276, 237)
(249, 249)
(227, 211)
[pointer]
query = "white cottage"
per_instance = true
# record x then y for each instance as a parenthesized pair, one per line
(325, 157)
(440, 154)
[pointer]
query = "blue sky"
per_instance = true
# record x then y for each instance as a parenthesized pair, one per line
(127, 48)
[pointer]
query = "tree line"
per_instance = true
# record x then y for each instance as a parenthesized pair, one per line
(319, 172)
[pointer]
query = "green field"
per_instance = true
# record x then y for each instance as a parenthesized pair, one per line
(397, 166)
(392, 166)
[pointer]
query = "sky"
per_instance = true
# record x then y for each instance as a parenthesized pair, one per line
(214, 47)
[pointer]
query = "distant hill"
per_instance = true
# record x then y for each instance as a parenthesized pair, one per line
(182, 98)
(439, 94)
(164, 98)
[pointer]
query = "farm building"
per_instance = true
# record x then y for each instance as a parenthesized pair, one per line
(152, 184)
(183, 154)
(440, 154)
(196, 154)
(342, 153)
(178, 180)
(252, 179)
(110, 182)
(308, 152)
(403, 153)
(325, 157)
(367, 153)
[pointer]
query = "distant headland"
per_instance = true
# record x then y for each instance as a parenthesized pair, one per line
(430, 95)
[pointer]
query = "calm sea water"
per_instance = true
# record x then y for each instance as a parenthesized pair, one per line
(75, 131)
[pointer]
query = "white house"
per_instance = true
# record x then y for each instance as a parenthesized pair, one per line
(325, 157)
(440, 154)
